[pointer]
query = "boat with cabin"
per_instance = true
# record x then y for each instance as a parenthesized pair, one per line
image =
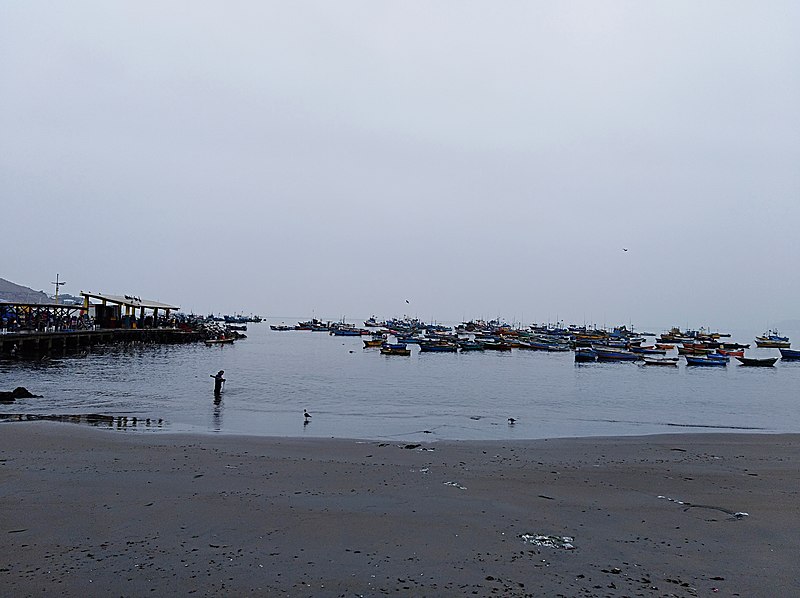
(773, 340)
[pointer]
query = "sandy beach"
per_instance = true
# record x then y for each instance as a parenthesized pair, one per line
(97, 513)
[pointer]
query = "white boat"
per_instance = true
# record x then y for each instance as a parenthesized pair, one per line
(661, 361)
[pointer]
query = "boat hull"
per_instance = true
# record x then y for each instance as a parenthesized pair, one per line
(790, 354)
(704, 361)
(766, 362)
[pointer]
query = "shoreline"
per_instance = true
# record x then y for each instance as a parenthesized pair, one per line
(86, 512)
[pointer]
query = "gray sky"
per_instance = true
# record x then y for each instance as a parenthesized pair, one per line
(475, 158)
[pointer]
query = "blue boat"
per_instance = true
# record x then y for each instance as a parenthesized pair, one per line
(345, 332)
(584, 354)
(716, 355)
(704, 360)
(395, 349)
(604, 354)
(790, 354)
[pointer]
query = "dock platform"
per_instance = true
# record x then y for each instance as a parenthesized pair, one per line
(32, 345)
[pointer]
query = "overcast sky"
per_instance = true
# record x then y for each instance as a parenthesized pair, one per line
(474, 158)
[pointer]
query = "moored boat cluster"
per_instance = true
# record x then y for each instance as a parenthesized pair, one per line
(697, 347)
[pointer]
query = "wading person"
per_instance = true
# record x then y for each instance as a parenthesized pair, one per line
(218, 381)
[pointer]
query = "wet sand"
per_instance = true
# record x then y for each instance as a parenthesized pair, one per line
(97, 513)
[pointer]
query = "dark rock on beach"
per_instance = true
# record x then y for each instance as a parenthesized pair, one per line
(20, 392)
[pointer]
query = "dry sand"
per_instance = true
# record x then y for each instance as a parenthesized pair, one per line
(100, 513)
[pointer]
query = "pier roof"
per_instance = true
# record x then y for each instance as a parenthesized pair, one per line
(130, 300)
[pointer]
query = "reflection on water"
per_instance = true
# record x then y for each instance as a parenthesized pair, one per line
(89, 419)
(216, 418)
(271, 377)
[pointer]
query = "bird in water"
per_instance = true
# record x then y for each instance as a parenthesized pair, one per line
(511, 421)
(624, 249)
(306, 415)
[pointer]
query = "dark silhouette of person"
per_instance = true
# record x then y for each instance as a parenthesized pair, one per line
(218, 382)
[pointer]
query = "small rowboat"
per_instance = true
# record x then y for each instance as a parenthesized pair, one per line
(703, 360)
(615, 355)
(373, 342)
(648, 351)
(661, 361)
(218, 341)
(764, 362)
(438, 347)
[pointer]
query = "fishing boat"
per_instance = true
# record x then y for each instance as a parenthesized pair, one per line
(281, 327)
(790, 354)
(497, 346)
(604, 354)
(704, 360)
(585, 354)
(734, 346)
(694, 349)
(373, 342)
(218, 341)
(470, 346)
(648, 350)
(764, 362)
(717, 355)
(772, 340)
(551, 347)
(673, 361)
(731, 352)
(438, 347)
(346, 332)
(395, 349)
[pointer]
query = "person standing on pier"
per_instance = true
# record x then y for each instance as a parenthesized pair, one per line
(218, 381)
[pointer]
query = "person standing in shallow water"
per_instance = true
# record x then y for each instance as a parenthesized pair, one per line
(218, 382)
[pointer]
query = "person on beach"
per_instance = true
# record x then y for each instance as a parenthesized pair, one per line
(218, 381)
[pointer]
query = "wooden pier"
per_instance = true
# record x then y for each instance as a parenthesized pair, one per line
(34, 345)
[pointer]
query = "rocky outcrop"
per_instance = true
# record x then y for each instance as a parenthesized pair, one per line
(20, 392)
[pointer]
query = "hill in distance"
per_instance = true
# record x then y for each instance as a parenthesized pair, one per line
(10, 291)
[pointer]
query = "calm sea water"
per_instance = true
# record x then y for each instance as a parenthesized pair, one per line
(353, 392)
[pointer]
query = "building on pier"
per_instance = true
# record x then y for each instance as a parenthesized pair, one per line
(127, 311)
(108, 311)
